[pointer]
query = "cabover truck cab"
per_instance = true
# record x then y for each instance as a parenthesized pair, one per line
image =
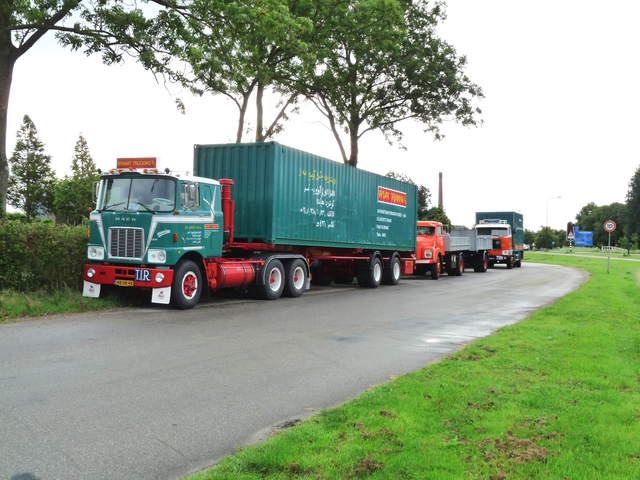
(507, 232)
(293, 217)
(441, 249)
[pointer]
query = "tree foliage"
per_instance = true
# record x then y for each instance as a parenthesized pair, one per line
(73, 195)
(424, 195)
(380, 62)
(592, 217)
(633, 204)
(112, 28)
(32, 178)
(241, 49)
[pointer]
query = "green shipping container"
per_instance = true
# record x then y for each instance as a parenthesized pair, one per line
(286, 196)
(514, 219)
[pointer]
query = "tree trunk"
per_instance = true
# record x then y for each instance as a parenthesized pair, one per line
(241, 116)
(7, 61)
(353, 158)
(259, 113)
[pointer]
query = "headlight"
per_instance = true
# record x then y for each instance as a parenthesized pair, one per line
(157, 256)
(159, 277)
(95, 253)
(428, 254)
(506, 253)
(91, 272)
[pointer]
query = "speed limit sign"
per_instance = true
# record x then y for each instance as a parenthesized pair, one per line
(609, 226)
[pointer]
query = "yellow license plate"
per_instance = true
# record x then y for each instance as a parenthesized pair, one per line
(124, 283)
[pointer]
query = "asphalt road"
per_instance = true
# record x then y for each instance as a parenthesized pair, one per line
(156, 393)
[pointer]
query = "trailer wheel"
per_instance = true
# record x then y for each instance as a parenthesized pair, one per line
(374, 275)
(460, 268)
(436, 269)
(519, 261)
(295, 275)
(187, 285)
(392, 273)
(274, 281)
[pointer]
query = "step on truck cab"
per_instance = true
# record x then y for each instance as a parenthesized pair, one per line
(507, 232)
(443, 249)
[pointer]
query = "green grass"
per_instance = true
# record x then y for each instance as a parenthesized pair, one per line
(16, 305)
(556, 396)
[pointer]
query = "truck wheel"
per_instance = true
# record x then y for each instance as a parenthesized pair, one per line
(460, 268)
(436, 269)
(519, 261)
(274, 281)
(392, 273)
(187, 285)
(482, 263)
(510, 262)
(295, 275)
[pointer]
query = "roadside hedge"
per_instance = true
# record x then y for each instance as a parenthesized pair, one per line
(41, 256)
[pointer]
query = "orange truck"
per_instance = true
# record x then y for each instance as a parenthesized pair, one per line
(440, 249)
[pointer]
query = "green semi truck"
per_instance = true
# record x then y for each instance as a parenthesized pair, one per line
(261, 216)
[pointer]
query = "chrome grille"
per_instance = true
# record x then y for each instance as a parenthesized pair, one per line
(126, 243)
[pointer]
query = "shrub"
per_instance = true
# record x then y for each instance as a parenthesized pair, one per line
(41, 256)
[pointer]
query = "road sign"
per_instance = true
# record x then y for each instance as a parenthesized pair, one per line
(610, 226)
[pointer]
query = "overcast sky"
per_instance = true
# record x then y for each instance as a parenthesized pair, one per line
(561, 113)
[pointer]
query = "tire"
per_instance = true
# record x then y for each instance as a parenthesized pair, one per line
(274, 281)
(509, 263)
(519, 262)
(436, 269)
(392, 273)
(295, 275)
(482, 263)
(374, 275)
(460, 267)
(186, 288)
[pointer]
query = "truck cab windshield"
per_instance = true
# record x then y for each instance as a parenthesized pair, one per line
(137, 194)
(426, 230)
(494, 232)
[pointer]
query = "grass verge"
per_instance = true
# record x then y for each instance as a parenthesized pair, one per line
(16, 305)
(555, 396)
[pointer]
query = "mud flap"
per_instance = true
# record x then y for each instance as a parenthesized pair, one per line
(91, 289)
(161, 295)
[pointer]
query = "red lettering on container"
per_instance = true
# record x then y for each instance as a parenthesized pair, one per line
(392, 197)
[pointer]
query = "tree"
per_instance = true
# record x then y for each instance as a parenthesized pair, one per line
(239, 50)
(592, 218)
(113, 28)
(32, 178)
(424, 195)
(380, 62)
(437, 214)
(633, 203)
(73, 196)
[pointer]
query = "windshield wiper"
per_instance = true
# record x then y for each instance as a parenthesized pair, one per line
(111, 207)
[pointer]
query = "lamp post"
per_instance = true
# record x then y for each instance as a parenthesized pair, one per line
(547, 218)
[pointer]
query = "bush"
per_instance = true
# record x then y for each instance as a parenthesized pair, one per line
(41, 256)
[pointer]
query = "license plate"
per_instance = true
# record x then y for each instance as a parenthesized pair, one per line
(124, 283)
(499, 257)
